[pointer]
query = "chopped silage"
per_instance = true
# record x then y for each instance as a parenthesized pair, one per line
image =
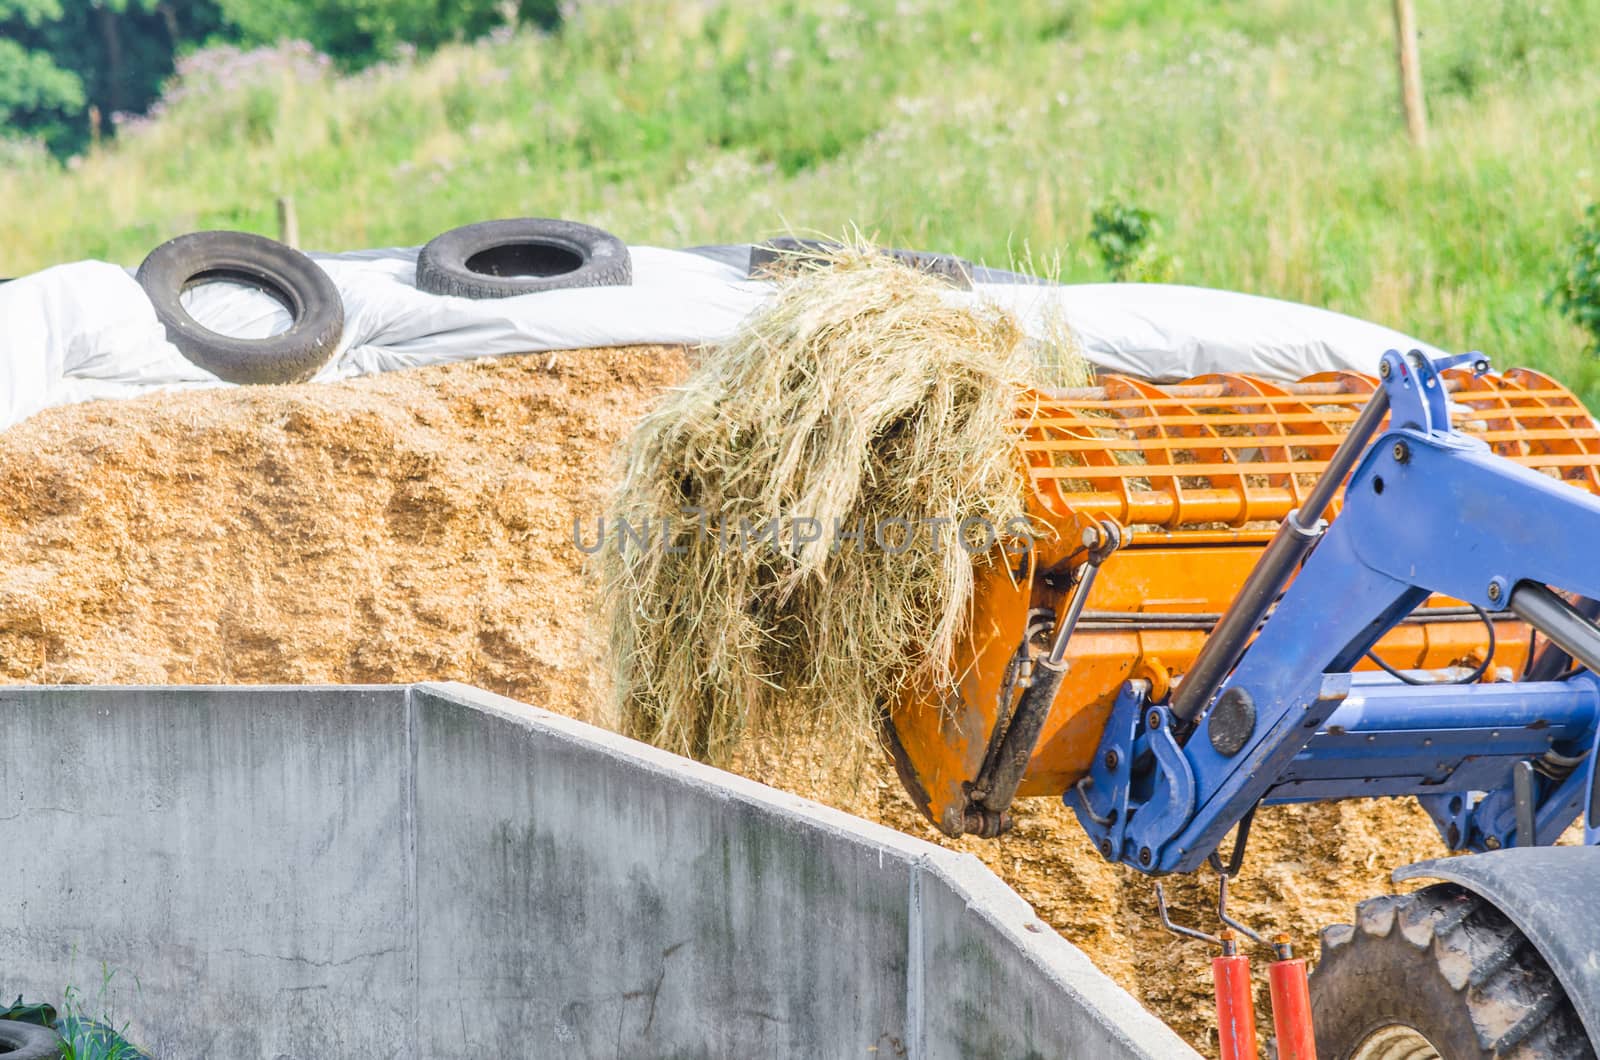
(419, 526)
(865, 400)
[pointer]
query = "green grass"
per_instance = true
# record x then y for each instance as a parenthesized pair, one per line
(89, 1026)
(1264, 136)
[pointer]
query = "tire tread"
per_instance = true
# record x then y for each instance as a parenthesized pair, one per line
(1515, 1005)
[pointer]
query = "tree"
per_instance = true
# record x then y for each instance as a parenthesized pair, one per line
(67, 64)
(35, 93)
(64, 61)
(360, 32)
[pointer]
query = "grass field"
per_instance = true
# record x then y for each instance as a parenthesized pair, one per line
(1265, 136)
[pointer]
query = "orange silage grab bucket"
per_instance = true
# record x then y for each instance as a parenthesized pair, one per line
(1198, 475)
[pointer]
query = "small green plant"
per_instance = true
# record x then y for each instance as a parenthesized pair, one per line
(1577, 291)
(88, 1037)
(1126, 238)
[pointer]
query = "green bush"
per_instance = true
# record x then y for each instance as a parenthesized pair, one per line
(1577, 291)
(1125, 237)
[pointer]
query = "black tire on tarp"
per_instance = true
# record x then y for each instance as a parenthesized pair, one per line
(500, 259)
(28, 1041)
(310, 296)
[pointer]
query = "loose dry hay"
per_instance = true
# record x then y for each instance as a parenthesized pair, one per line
(865, 396)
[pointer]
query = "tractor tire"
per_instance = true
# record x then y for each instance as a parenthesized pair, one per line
(287, 275)
(499, 259)
(782, 252)
(1438, 973)
(28, 1041)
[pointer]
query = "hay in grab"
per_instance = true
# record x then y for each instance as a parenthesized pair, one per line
(796, 527)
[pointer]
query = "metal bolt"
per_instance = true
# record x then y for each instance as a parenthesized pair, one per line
(1144, 855)
(1152, 720)
(1402, 453)
(1112, 758)
(1383, 369)
(1105, 849)
(1492, 842)
(1494, 592)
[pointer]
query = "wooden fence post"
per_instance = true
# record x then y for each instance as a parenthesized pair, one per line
(1405, 30)
(288, 223)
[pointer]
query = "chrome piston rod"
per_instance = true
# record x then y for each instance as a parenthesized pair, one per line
(1542, 609)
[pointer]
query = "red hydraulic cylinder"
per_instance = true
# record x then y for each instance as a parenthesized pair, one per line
(1236, 1008)
(1291, 1005)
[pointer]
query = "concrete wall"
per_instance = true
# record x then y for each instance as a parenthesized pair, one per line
(436, 872)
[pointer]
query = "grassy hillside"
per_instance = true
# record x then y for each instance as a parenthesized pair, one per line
(1264, 135)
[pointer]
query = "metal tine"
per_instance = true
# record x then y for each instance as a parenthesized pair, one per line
(1179, 929)
(1222, 914)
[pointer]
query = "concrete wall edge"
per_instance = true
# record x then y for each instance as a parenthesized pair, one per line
(985, 895)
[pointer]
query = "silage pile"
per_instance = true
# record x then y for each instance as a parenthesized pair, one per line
(420, 526)
(785, 548)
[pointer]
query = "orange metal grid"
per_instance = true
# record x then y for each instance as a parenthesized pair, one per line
(1224, 457)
